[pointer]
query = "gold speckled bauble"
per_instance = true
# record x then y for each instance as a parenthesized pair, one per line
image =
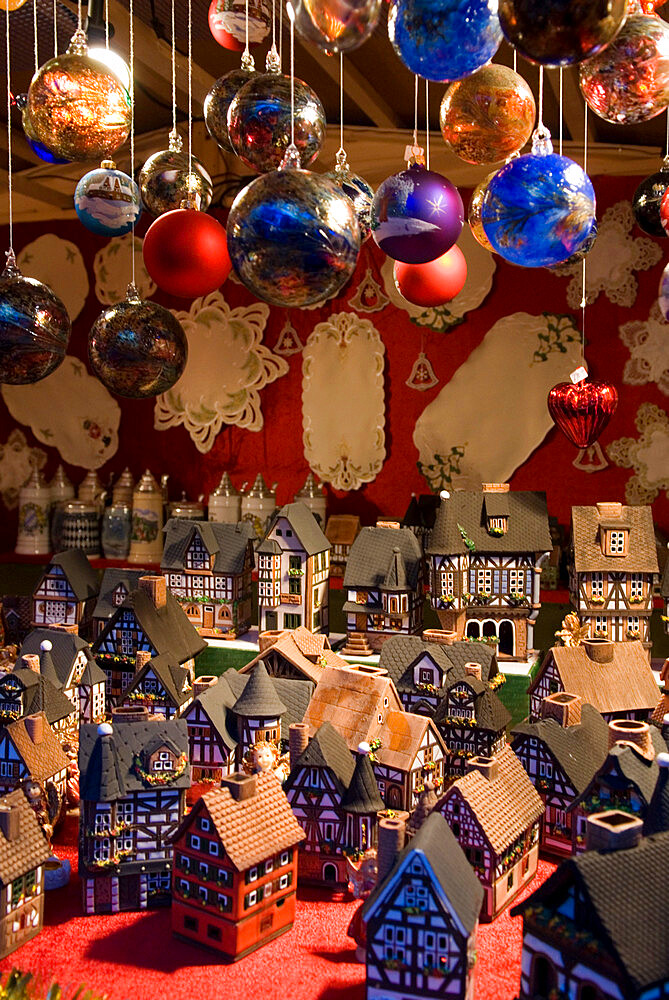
(474, 215)
(217, 102)
(11, 4)
(165, 181)
(78, 108)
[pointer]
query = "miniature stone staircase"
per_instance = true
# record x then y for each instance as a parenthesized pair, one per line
(357, 645)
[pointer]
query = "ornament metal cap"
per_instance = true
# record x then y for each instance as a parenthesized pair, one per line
(11, 269)
(78, 43)
(291, 158)
(131, 293)
(541, 141)
(273, 61)
(107, 165)
(176, 143)
(341, 166)
(248, 62)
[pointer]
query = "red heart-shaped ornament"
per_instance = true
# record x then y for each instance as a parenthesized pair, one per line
(582, 410)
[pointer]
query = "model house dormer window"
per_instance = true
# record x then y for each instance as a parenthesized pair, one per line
(197, 556)
(162, 761)
(497, 525)
(119, 595)
(616, 541)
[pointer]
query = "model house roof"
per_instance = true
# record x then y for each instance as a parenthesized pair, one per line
(664, 585)
(626, 683)
(327, 748)
(41, 695)
(250, 829)
(588, 552)
(307, 651)
(490, 712)
(167, 628)
(580, 750)
(465, 514)
(657, 817)
(341, 529)
(400, 652)
(29, 848)
(111, 579)
(362, 795)
(505, 806)
(80, 574)
(626, 891)
(227, 542)
(455, 880)
(373, 557)
(167, 672)
(421, 511)
(43, 756)
(623, 761)
(259, 698)
(304, 525)
(65, 647)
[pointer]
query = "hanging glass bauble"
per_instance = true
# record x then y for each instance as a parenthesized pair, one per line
(293, 237)
(228, 21)
(34, 328)
(185, 252)
(539, 208)
(217, 102)
(582, 251)
(137, 348)
(259, 122)
(417, 215)
(487, 116)
(165, 180)
(434, 283)
(663, 293)
(628, 82)
(648, 198)
(445, 40)
(560, 32)
(336, 25)
(358, 190)
(582, 410)
(78, 108)
(474, 214)
(107, 201)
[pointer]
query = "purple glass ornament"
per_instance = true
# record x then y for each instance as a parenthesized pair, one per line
(417, 215)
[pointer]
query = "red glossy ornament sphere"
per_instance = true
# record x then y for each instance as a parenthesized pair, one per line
(186, 253)
(227, 23)
(664, 212)
(582, 410)
(434, 283)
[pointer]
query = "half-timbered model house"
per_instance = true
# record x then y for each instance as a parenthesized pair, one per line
(30, 751)
(23, 852)
(494, 811)
(613, 677)
(625, 780)
(150, 620)
(341, 530)
(116, 584)
(612, 570)
(421, 921)
(293, 572)
(335, 799)
(235, 867)
(383, 584)
(67, 661)
(67, 591)
(208, 565)
(597, 929)
(364, 706)
(159, 683)
(295, 653)
(134, 776)
(561, 753)
(17, 614)
(24, 691)
(485, 553)
(234, 711)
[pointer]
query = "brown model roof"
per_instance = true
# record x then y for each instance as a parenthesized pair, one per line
(504, 807)
(43, 759)
(29, 849)
(308, 652)
(624, 684)
(588, 554)
(342, 529)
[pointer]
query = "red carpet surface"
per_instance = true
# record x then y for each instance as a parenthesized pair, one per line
(133, 956)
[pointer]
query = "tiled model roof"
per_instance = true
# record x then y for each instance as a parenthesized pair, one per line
(65, 646)
(259, 698)
(580, 750)
(327, 748)
(362, 795)
(626, 683)
(111, 578)
(227, 542)
(372, 553)
(527, 529)
(43, 759)
(252, 829)
(421, 511)
(167, 628)
(26, 851)
(107, 760)
(42, 696)
(399, 652)
(341, 529)
(82, 577)
(456, 883)
(504, 807)
(664, 585)
(169, 673)
(305, 526)
(588, 554)
(489, 711)
(307, 652)
(657, 817)
(626, 890)
(635, 769)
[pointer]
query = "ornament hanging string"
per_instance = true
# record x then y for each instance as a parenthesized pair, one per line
(10, 252)
(415, 109)
(291, 16)
(541, 98)
(584, 297)
(132, 131)
(79, 18)
(281, 35)
(106, 24)
(341, 104)
(561, 110)
(35, 44)
(190, 93)
(427, 124)
(55, 27)
(666, 145)
(173, 133)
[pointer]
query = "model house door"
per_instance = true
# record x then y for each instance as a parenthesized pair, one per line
(208, 616)
(271, 621)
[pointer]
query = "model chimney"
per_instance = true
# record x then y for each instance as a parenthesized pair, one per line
(610, 510)
(10, 821)
(487, 766)
(142, 656)
(35, 727)
(392, 833)
(298, 741)
(442, 636)
(495, 487)
(565, 708)
(473, 670)
(62, 627)
(269, 637)
(31, 661)
(135, 713)
(599, 650)
(612, 830)
(156, 588)
(203, 682)
(241, 786)
(634, 732)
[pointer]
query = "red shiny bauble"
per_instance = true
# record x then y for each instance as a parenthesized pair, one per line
(434, 283)
(582, 410)
(664, 212)
(228, 20)
(186, 253)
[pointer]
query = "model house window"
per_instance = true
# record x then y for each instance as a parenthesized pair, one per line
(498, 525)
(289, 533)
(295, 586)
(224, 902)
(213, 847)
(446, 582)
(194, 842)
(545, 770)
(102, 819)
(102, 849)
(633, 623)
(250, 899)
(203, 893)
(600, 624)
(329, 831)
(285, 858)
(124, 811)
(204, 824)
(636, 585)
(269, 866)
(617, 543)
(285, 880)
(224, 876)
(252, 874)
(597, 584)
(119, 595)
(197, 556)
(294, 562)
(292, 621)
(484, 581)
(127, 643)
(517, 581)
(164, 761)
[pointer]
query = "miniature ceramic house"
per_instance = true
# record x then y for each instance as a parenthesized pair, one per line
(235, 867)
(159, 683)
(208, 567)
(115, 586)
(67, 592)
(67, 661)
(341, 531)
(614, 564)
(485, 551)
(134, 776)
(587, 931)
(293, 572)
(494, 812)
(613, 677)
(422, 919)
(24, 691)
(29, 750)
(295, 653)
(23, 851)
(561, 753)
(384, 586)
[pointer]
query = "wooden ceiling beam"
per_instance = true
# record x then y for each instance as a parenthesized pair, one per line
(358, 89)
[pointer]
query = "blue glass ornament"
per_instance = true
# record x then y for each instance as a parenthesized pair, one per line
(539, 209)
(293, 236)
(582, 251)
(107, 201)
(444, 40)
